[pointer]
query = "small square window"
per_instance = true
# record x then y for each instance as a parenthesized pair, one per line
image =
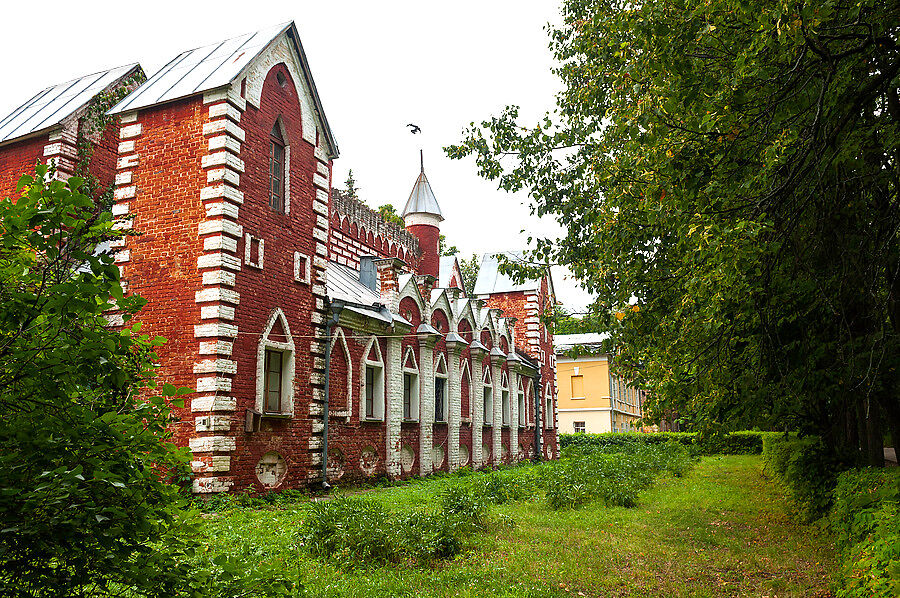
(301, 268)
(579, 427)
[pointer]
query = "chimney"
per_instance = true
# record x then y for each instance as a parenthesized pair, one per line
(367, 272)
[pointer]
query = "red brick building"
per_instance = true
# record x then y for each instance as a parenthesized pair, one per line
(315, 334)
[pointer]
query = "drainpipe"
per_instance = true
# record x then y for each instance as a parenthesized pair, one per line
(538, 420)
(336, 306)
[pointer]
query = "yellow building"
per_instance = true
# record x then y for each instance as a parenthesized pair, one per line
(590, 398)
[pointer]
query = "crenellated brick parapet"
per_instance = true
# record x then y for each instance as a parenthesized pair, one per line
(358, 230)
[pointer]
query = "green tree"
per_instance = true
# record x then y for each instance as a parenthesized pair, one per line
(469, 269)
(444, 248)
(389, 213)
(350, 188)
(732, 165)
(88, 478)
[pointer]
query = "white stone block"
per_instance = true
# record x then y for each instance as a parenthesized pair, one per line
(123, 178)
(320, 181)
(120, 209)
(128, 117)
(222, 159)
(226, 175)
(222, 208)
(217, 294)
(213, 403)
(225, 109)
(122, 256)
(224, 191)
(130, 131)
(216, 312)
(226, 227)
(220, 242)
(220, 329)
(215, 366)
(127, 162)
(125, 193)
(210, 444)
(219, 260)
(226, 142)
(126, 147)
(219, 277)
(225, 126)
(211, 485)
(213, 384)
(217, 347)
(212, 423)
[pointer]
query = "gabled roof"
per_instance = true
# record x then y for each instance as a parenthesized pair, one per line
(421, 199)
(343, 283)
(491, 280)
(55, 104)
(447, 266)
(216, 66)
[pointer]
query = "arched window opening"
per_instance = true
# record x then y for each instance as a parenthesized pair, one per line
(504, 398)
(488, 397)
(275, 367)
(277, 169)
(410, 386)
(440, 390)
(372, 408)
(521, 404)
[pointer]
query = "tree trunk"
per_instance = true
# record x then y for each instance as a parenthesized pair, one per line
(874, 437)
(890, 407)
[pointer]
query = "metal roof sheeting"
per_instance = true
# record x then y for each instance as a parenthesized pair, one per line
(589, 340)
(491, 280)
(53, 105)
(343, 283)
(200, 69)
(421, 199)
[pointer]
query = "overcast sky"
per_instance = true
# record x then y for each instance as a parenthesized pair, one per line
(377, 66)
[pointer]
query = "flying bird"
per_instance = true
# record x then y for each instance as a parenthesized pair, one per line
(414, 128)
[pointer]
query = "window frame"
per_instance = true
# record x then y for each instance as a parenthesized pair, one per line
(415, 391)
(288, 367)
(440, 375)
(487, 397)
(505, 414)
(377, 387)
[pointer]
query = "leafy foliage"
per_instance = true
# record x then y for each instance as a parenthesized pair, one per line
(734, 443)
(866, 522)
(389, 213)
(83, 457)
(733, 166)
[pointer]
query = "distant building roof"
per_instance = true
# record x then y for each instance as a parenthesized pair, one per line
(590, 340)
(448, 265)
(491, 280)
(421, 199)
(215, 66)
(55, 104)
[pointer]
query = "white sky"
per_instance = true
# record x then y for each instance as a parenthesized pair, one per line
(377, 66)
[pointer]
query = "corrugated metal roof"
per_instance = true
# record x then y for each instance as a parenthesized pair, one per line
(491, 280)
(421, 199)
(215, 66)
(201, 69)
(343, 283)
(53, 105)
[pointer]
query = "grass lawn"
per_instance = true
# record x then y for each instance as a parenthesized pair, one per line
(724, 530)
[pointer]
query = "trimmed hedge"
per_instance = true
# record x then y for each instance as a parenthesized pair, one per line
(865, 520)
(735, 443)
(807, 469)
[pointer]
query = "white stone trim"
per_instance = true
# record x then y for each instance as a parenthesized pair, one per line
(248, 251)
(213, 403)
(378, 395)
(307, 268)
(288, 365)
(338, 339)
(215, 330)
(130, 131)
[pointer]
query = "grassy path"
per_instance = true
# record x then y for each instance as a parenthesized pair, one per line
(722, 531)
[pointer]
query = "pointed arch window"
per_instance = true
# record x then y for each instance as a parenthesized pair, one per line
(487, 397)
(372, 407)
(504, 398)
(440, 390)
(410, 386)
(275, 367)
(549, 412)
(521, 404)
(277, 169)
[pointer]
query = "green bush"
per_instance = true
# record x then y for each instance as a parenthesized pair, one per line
(808, 470)
(735, 443)
(866, 524)
(358, 533)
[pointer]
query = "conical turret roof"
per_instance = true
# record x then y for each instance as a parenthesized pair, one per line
(422, 200)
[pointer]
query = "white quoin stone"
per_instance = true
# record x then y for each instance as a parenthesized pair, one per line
(213, 384)
(214, 330)
(214, 403)
(211, 485)
(130, 131)
(209, 444)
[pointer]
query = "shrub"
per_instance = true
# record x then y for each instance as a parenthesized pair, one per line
(735, 443)
(807, 468)
(351, 531)
(866, 524)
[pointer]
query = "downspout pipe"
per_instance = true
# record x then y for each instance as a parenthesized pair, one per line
(538, 420)
(335, 307)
